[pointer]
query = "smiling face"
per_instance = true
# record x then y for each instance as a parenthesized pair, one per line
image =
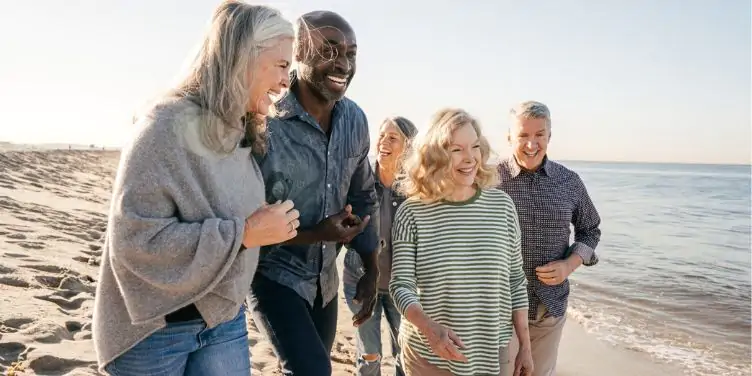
(529, 138)
(465, 149)
(391, 144)
(269, 75)
(326, 57)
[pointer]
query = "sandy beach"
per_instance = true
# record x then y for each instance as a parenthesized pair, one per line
(53, 207)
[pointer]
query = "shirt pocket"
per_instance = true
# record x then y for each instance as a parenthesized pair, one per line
(555, 217)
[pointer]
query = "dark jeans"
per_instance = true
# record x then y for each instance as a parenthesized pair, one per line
(302, 336)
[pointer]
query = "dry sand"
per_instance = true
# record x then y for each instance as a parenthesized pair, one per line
(53, 207)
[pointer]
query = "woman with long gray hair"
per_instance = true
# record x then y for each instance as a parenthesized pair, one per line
(394, 143)
(188, 213)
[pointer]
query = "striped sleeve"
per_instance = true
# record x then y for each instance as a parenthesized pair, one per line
(403, 286)
(517, 279)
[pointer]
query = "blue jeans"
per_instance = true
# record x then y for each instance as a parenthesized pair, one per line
(368, 335)
(189, 348)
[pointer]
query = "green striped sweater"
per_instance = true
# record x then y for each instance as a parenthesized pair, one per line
(461, 262)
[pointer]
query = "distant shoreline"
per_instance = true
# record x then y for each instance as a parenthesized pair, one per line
(10, 146)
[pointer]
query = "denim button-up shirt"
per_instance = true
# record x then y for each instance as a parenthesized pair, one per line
(320, 174)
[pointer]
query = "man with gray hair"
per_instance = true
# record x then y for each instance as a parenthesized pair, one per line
(549, 198)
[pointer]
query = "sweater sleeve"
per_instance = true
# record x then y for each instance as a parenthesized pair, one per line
(517, 279)
(403, 284)
(153, 251)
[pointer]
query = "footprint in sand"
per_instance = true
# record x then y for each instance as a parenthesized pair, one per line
(14, 281)
(51, 281)
(45, 268)
(25, 229)
(17, 236)
(10, 352)
(51, 237)
(16, 255)
(15, 324)
(6, 269)
(29, 245)
(46, 332)
(53, 364)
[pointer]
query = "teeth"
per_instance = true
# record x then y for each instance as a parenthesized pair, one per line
(337, 80)
(531, 154)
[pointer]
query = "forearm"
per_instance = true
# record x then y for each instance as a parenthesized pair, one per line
(370, 260)
(519, 320)
(415, 315)
(574, 261)
(304, 237)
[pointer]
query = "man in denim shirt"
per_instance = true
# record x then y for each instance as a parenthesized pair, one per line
(317, 157)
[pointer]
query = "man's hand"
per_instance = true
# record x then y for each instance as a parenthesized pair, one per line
(365, 295)
(556, 272)
(341, 227)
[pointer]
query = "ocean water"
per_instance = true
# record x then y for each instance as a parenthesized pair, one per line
(674, 274)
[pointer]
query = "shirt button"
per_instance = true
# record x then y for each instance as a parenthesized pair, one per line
(323, 246)
(394, 204)
(328, 185)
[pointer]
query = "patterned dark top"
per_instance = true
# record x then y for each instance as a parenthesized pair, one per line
(390, 199)
(320, 174)
(548, 201)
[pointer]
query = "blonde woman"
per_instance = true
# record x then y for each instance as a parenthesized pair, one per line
(188, 212)
(395, 137)
(457, 269)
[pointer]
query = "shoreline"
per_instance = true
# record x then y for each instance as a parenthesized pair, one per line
(54, 214)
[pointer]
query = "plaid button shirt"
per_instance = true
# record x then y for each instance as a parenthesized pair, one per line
(548, 201)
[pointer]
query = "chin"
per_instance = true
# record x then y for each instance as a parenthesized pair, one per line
(464, 182)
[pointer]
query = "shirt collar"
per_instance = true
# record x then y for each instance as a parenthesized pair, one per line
(289, 107)
(546, 167)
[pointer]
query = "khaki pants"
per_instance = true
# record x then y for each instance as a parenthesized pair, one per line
(545, 335)
(415, 365)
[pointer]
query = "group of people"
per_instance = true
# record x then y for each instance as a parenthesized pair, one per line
(229, 200)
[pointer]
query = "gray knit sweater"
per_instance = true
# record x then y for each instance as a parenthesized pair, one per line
(174, 232)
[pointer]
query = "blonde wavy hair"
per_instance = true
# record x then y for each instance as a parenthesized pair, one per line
(217, 76)
(428, 170)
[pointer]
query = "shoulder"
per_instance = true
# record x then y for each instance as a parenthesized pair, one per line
(352, 108)
(167, 124)
(408, 207)
(354, 114)
(564, 174)
(497, 196)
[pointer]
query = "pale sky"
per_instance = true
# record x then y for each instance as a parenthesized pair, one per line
(631, 80)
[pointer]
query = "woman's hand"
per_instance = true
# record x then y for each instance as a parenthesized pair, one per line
(523, 364)
(271, 224)
(444, 342)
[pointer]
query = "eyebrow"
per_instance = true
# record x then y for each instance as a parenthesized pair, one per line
(334, 42)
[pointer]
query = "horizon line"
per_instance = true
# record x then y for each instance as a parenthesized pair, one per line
(50, 146)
